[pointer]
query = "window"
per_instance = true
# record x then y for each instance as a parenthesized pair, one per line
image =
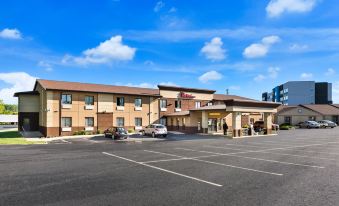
(177, 104)
(120, 122)
(120, 101)
(163, 103)
(287, 119)
(311, 118)
(138, 121)
(163, 121)
(197, 104)
(137, 102)
(89, 121)
(66, 121)
(66, 99)
(209, 104)
(89, 100)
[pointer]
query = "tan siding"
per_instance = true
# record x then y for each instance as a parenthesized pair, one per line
(174, 94)
(105, 103)
(29, 103)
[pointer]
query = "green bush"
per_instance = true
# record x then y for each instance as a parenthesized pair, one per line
(286, 127)
(99, 131)
(76, 133)
(285, 124)
(246, 126)
(130, 130)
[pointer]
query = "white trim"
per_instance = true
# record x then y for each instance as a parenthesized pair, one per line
(177, 109)
(66, 106)
(89, 128)
(66, 129)
(163, 109)
(120, 108)
(89, 107)
(137, 108)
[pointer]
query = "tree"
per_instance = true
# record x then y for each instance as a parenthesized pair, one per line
(2, 107)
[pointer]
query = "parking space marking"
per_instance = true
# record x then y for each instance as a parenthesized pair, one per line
(66, 141)
(311, 151)
(270, 144)
(254, 158)
(278, 153)
(217, 163)
(164, 170)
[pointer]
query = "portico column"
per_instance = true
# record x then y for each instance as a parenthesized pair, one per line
(236, 124)
(268, 122)
(204, 121)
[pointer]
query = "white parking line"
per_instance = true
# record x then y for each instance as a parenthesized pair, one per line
(66, 141)
(164, 170)
(253, 158)
(217, 163)
(311, 151)
(278, 153)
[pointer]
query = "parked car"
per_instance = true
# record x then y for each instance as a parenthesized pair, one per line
(116, 133)
(327, 123)
(310, 124)
(155, 130)
(299, 124)
(259, 126)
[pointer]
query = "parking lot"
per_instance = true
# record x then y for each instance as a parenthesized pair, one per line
(297, 167)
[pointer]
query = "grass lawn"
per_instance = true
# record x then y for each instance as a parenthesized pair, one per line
(14, 137)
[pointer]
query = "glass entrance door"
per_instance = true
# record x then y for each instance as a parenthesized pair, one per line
(212, 125)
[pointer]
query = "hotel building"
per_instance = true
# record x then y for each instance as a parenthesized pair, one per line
(58, 108)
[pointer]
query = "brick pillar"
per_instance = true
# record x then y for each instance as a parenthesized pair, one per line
(204, 121)
(268, 122)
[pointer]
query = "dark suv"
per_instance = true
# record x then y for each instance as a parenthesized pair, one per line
(116, 133)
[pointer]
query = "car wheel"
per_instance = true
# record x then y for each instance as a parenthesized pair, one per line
(153, 134)
(165, 135)
(308, 127)
(143, 133)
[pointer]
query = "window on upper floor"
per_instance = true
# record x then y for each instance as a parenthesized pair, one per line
(178, 104)
(163, 103)
(66, 99)
(138, 102)
(209, 103)
(197, 104)
(120, 101)
(89, 100)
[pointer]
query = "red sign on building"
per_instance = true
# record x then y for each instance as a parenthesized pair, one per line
(185, 96)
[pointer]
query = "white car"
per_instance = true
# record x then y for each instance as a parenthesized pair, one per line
(155, 130)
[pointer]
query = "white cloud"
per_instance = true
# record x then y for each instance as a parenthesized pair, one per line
(335, 91)
(150, 85)
(158, 6)
(275, 8)
(260, 49)
(272, 73)
(107, 51)
(298, 47)
(210, 76)
(306, 76)
(169, 84)
(213, 50)
(172, 10)
(18, 81)
(45, 65)
(10, 34)
(330, 72)
(234, 87)
(259, 78)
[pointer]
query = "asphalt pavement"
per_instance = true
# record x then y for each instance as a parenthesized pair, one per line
(298, 167)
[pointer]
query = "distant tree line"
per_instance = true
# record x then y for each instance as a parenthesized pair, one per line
(8, 108)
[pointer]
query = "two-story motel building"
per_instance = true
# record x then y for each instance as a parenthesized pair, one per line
(58, 108)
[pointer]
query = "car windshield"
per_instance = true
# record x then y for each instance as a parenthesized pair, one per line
(313, 122)
(327, 121)
(160, 126)
(120, 129)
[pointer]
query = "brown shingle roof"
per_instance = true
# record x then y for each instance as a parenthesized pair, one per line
(223, 97)
(336, 105)
(100, 88)
(185, 89)
(284, 108)
(324, 109)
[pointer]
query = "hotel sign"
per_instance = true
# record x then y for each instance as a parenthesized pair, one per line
(185, 95)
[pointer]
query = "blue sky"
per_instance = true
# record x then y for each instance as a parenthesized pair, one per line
(246, 46)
